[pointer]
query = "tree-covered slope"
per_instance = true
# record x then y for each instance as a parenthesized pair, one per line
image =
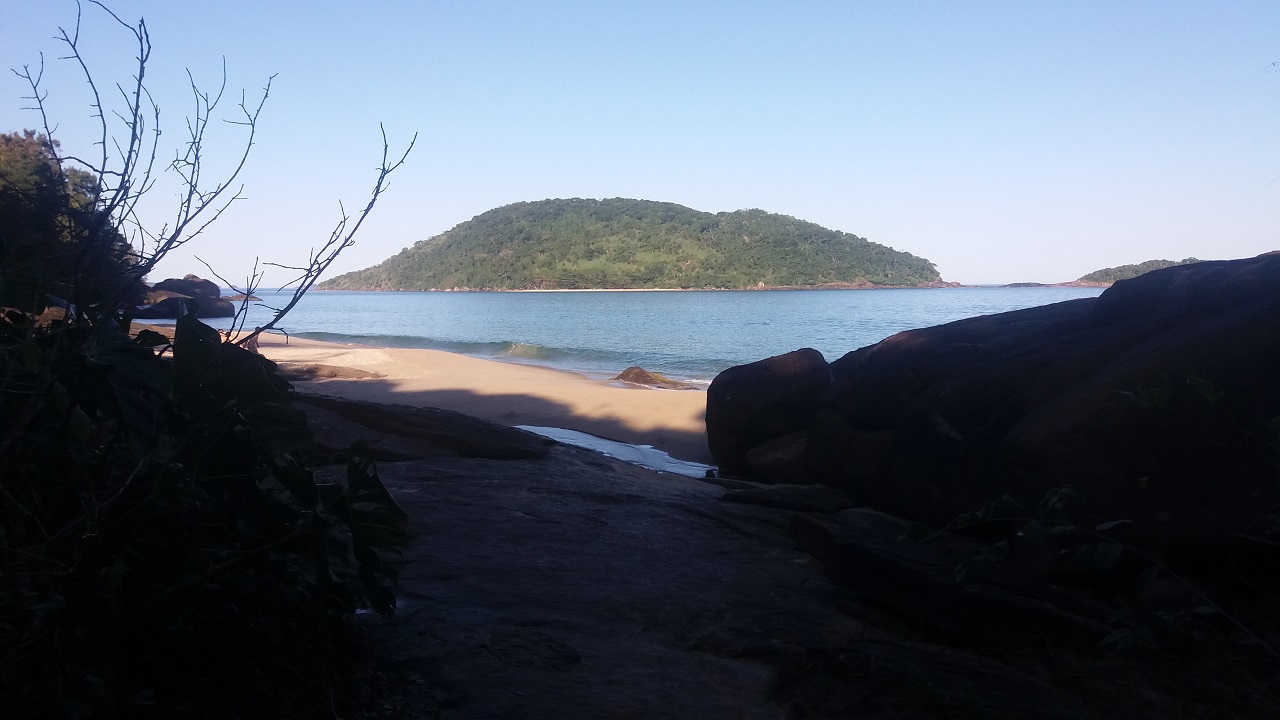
(1124, 272)
(620, 243)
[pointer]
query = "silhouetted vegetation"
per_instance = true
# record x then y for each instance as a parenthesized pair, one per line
(166, 543)
(620, 243)
(166, 546)
(55, 229)
(1124, 272)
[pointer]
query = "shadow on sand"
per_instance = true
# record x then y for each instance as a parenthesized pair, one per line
(518, 409)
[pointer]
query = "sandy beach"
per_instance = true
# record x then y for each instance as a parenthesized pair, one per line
(508, 393)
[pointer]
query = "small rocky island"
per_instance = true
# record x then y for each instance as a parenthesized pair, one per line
(620, 243)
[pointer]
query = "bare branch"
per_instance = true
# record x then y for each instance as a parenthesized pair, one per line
(125, 171)
(242, 312)
(196, 201)
(341, 238)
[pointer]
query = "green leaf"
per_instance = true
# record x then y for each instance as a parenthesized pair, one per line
(1083, 557)
(1006, 506)
(1122, 639)
(299, 481)
(1152, 397)
(1206, 389)
(920, 533)
(379, 529)
(133, 384)
(1033, 531)
(1107, 555)
(31, 354)
(1098, 558)
(1146, 577)
(1111, 525)
(278, 428)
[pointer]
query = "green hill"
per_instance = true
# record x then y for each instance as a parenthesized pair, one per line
(1124, 272)
(619, 243)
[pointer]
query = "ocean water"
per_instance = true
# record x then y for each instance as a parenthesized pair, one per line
(686, 335)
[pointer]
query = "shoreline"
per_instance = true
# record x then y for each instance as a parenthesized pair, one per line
(506, 393)
(829, 286)
(943, 285)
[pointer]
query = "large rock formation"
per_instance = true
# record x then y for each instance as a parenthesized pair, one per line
(1157, 403)
(164, 299)
(764, 404)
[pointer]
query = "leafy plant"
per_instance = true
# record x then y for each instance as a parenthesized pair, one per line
(1154, 396)
(148, 500)
(1059, 542)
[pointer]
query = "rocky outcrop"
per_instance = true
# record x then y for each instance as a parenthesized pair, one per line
(802, 498)
(402, 432)
(191, 286)
(165, 298)
(583, 587)
(636, 375)
(318, 371)
(1157, 403)
(749, 406)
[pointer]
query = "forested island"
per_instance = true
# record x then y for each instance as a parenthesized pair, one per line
(618, 243)
(1125, 272)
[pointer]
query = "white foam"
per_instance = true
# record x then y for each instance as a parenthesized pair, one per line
(643, 455)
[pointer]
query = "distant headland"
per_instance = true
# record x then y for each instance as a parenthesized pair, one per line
(1107, 276)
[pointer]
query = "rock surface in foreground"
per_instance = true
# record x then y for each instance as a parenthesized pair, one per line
(574, 587)
(401, 432)
(564, 584)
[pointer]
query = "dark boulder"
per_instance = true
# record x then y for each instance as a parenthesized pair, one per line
(190, 286)
(749, 405)
(780, 459)
(164, 299)
(801, 498)
(151, 296)
(169, 308)
(1158, 402)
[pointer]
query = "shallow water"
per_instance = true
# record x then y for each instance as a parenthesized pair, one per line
(686, 335)
(643, 455)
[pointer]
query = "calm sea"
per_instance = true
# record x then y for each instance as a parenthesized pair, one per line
(688, 335)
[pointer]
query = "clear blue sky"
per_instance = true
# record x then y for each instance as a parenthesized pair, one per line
(1004, 141)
